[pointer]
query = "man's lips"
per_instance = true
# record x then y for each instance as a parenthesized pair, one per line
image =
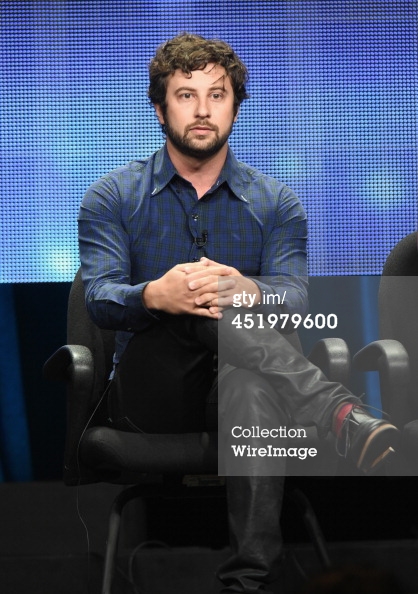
(202, 128)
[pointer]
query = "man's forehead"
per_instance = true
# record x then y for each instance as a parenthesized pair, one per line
(211, 74)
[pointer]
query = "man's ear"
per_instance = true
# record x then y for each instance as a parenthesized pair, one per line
(159, 113)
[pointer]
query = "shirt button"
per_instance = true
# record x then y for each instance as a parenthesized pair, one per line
(195, 217)
(195, 260)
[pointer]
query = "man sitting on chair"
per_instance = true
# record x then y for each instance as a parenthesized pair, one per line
(167, 244)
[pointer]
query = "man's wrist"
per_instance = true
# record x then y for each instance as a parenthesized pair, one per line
(149, 296)
(256, 291)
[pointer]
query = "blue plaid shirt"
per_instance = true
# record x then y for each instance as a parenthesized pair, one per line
(142, 219)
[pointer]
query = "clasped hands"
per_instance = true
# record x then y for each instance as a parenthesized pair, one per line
(202, 288)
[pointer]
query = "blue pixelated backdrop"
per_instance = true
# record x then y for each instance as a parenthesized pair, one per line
(332, 113)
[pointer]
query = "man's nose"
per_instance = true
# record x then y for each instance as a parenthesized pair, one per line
(202, 108)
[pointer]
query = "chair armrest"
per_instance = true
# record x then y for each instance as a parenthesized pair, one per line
(70, 362)
(74, 365)
(332, 356)
(391, 360)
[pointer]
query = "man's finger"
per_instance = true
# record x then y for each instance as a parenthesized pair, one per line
(198, 281)
(212, 312)
(219, 269)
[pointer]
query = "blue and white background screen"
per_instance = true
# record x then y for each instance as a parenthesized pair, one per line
(332, 113)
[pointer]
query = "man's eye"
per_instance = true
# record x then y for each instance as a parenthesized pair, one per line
(217, 96)
(186, 95)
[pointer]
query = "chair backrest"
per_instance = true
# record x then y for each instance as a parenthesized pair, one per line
(398, 305)
(403, 259)
(82, 330)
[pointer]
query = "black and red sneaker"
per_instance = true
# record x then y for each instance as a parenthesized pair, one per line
(369, 442)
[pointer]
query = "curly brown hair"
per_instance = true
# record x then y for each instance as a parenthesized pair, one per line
(189, 52)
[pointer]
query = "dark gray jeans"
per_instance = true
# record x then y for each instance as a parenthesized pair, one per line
(162, 385)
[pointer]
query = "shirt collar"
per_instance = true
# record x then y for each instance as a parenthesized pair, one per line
(231, 173)
(164, 170)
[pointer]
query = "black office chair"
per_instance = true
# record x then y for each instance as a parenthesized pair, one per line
(155, 464)
(395, 356)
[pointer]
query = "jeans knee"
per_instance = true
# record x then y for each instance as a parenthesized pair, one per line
(243, 392)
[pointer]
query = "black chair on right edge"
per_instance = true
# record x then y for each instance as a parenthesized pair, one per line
(395, 356)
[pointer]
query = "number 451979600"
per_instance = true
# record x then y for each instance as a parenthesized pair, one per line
(251, 320)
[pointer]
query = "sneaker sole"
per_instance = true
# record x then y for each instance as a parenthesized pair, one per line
(378, 448)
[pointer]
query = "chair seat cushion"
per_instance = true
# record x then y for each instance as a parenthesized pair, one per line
(120, 452)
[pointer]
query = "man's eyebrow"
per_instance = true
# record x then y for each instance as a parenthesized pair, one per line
(218, 88)
(213, 87)
(185, 89)
(219, 85)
